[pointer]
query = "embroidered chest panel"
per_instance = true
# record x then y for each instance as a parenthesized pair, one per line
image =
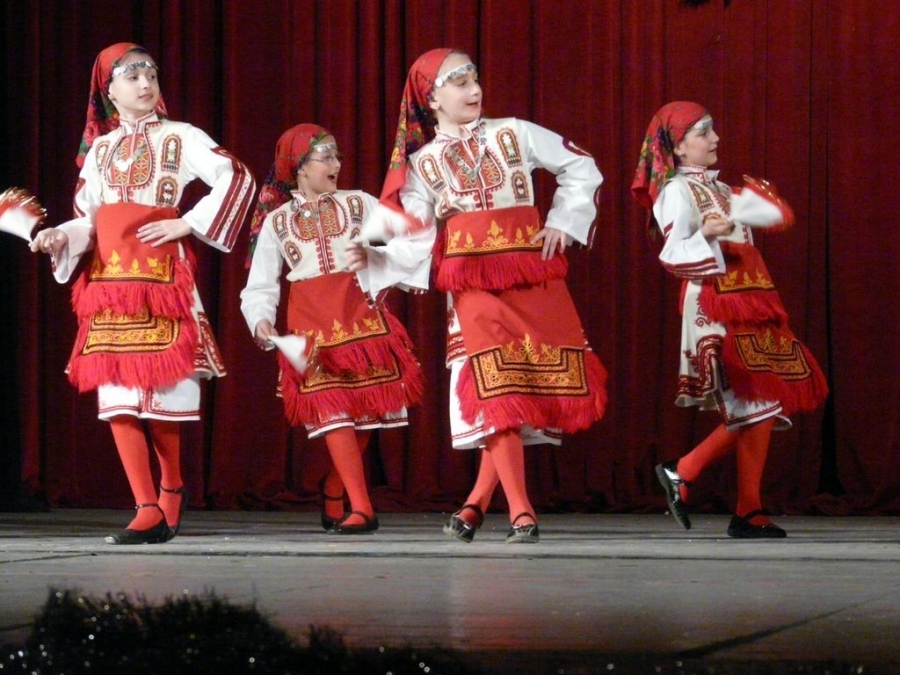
(710, 200)
(141, 163)
(317, 239)
(469, 178)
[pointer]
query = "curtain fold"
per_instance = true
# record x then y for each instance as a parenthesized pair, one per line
(803, 94)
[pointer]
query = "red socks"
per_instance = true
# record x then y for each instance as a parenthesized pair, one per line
(508, 456)
(752, 443)
(131, 442)
(166, 436)
(712, 448)
(346, 454)
(752, 450)
(483, 490)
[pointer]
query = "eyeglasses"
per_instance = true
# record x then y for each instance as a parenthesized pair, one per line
(327, 159)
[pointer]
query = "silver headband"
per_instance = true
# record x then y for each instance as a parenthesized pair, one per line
(324, 147)
(702, 124)
(134, 65)
(456, 72)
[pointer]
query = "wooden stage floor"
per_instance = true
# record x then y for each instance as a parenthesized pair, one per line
(597, 593)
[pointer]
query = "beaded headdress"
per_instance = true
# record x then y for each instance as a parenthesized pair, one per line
(656, 165)
(291, 151)
(102, 116)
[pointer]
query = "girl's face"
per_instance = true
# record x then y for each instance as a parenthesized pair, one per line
(699, 145)
(458, 99)
(135, 92)
(318, 174)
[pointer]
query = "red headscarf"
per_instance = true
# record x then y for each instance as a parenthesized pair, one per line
(415, 127)
(102, 116)
(657, 163)
(290, 152)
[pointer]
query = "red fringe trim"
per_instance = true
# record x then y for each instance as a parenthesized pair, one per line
(380, 398)
(748, 308)
(567, 413)
(498, 271)
(312, 407)
(175, 300)
(438, 250)
(156, 370)
(360, 355)
(803, 395)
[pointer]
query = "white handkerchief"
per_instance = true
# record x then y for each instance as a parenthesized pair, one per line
(294, 348)
(18, 221)
(754, 210)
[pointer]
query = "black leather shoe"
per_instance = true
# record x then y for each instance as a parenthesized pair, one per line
(369, 525)
(740, 527)
(173, 529)
(157, 534)
(461, 529)
(329, 523)
(523, 534)
(670, 480)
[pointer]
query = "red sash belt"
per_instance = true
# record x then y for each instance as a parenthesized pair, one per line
(492, 250)
(762, 357)
(134, 305)
(365, 358)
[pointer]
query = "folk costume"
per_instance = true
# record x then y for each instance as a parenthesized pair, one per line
(143, 338)
(366, 373)
(738, 353)
(520, 363)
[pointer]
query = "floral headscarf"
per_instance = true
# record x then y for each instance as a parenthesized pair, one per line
(290, 152)
(415, 126)
(102, 116)
(656, 166)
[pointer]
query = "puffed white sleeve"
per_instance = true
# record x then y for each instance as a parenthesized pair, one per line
(574, 206)
(687, 253)
(218, 217)
(259, 299)
(405, 260)
(80, 230)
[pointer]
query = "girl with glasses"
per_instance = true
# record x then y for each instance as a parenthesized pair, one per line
(365, 374)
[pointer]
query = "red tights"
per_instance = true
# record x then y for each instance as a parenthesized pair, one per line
(752, 443)
(502, 461)
(346, 447)
(131, 439)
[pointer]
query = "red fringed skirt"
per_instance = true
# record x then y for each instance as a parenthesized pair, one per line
(134, 303)
(762, 358)
(365, 362)
(528, 361)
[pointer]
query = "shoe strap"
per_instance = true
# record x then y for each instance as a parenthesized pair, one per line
(154, 505)
(679, 480)
(174, 491)
(524, 514)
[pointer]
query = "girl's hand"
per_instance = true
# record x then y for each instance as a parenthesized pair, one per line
(261, 336)
(163, 230)
(716, 226)
(553, 239)
(357, 257)
(52, 241)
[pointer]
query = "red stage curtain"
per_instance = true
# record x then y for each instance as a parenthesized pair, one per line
(803, 92)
